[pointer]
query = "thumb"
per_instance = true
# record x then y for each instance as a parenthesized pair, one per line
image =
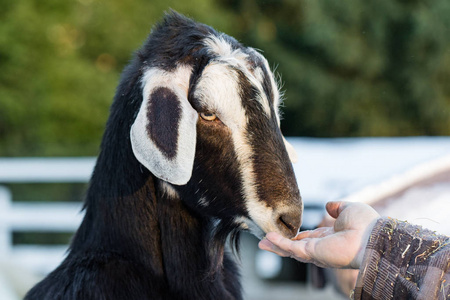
(334, 208)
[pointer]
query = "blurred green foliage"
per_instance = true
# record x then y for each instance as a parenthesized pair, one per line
(349, 68)
(46, 238)
(51, 192)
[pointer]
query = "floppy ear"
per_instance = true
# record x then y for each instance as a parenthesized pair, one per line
(163, 136)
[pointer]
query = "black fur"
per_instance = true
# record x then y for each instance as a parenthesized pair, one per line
(137, 241)
(165, 111)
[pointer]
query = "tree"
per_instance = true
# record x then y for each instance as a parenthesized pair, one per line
(356, 68)
(353, 68)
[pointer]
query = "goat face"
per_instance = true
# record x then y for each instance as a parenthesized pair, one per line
(208, 127)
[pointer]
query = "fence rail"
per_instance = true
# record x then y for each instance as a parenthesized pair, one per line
(22, 170)
(327, 169)
(39, 216)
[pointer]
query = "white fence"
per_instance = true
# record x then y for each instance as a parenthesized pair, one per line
(38, 216)
(327, 169)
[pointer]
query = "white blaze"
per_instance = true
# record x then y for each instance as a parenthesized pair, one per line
(218, 92)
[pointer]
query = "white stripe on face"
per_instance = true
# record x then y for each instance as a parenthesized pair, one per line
(239, 60)
(217, 91)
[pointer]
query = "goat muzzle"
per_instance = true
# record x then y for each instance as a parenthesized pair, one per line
(288, 220)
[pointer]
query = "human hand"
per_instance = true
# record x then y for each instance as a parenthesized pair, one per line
(339, 246)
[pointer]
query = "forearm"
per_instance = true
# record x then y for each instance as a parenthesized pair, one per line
(403, 261)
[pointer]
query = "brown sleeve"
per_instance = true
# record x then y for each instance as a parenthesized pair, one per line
(404, 261)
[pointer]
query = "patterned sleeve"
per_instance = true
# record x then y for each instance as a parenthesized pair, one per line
(403, 261)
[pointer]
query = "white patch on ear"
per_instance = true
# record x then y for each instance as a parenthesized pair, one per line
(178, 169)
(291, 151)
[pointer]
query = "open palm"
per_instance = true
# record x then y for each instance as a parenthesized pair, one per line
(339, 246)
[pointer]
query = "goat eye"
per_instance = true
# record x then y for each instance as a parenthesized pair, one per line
(208, 116)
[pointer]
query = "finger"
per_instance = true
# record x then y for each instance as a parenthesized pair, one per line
(334, 208)
(316, 233)
(301, 236)
(295, 249)
(265, 244)
(285, 247)
(304, 250)
(280, 241)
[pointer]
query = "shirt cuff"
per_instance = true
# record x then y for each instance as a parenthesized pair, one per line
(396, 259)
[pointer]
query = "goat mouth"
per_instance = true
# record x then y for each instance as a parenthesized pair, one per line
(281, 226)
(252, 227)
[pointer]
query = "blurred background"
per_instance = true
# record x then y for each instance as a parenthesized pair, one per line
(368, 78)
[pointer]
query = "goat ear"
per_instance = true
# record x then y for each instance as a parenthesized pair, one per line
(163, 136)
(291, 151)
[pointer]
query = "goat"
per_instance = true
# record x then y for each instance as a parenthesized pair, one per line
(192, 155)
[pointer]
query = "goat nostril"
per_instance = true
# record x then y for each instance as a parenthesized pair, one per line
(290, 221)
(286, 223)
